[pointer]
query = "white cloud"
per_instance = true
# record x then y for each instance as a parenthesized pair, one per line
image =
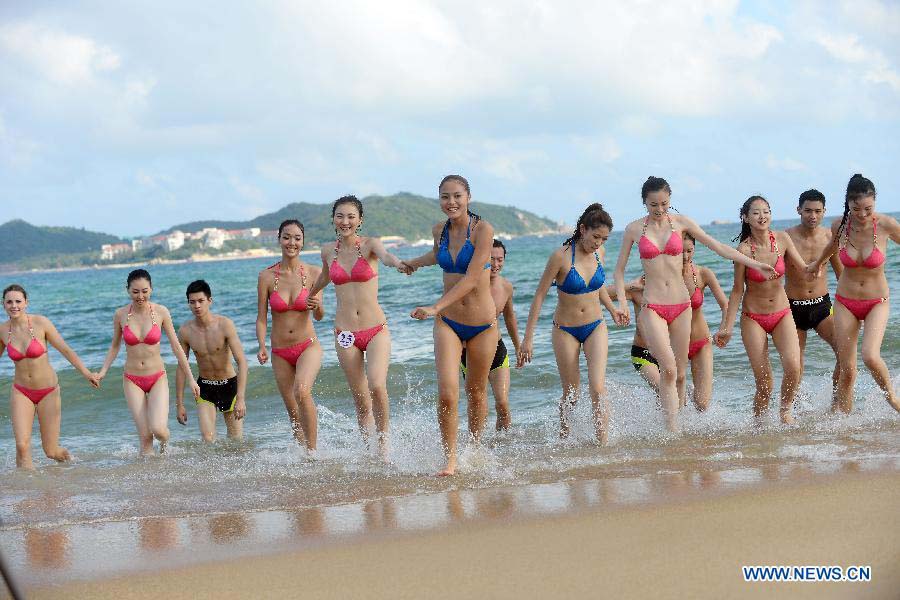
(61, 57)
(784, 164)
(603, 148)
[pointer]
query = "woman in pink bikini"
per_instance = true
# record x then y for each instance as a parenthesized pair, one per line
(141, 324)
(766, 310)
(667, 325)
(35, 388)
(700, 353)
(362, 340)
(298, 355)
(860, 238)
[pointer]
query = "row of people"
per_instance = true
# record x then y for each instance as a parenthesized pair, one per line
(668, 335)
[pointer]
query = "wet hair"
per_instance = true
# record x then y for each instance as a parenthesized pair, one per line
(459, 179)
(686, 236)
(745, 210)
(346, 200)
(654, 184)
(499, 244)
(195, 287)
(593, 216)
(287, 222)
(138, 274)
(811, 196)
(857, 188)
(15, 287)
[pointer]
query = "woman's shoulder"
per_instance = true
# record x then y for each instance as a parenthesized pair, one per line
(160, 309)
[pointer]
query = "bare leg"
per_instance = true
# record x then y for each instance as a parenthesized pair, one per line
(285, 378)
(21, 412)
(499, 379)
(137, 404)
(756, 343)
(596, 348)
(49, 412)
(206, 416)
(873, 335)
(567, 350)
(378, 358)
(650, 373)
(447, 350)
(354, 367)
(305, 376)
(234, 425)
(702, 376)
(480, 352)
(158, 412)
(826, 331)
(801, 337)
(662, 347)
(784, 336)
(846, 337)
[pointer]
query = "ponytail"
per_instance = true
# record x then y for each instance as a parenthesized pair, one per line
(858, 188)
(593, 216)
(745, 210)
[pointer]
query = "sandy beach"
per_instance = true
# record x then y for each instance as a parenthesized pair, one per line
(692, 547)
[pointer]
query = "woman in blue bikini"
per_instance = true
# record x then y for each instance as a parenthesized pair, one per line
(578, 320)
(466, 311)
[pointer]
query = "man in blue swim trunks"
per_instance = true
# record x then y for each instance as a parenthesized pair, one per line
(214, 340)
(502, 293)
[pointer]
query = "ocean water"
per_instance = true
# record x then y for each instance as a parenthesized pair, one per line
(107, 482)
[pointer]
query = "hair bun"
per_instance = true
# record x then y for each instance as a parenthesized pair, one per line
(857, 176)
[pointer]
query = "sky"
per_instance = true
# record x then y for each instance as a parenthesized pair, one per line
(130, 117)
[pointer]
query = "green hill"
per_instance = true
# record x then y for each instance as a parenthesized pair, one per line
(20, 240)
(407, 215)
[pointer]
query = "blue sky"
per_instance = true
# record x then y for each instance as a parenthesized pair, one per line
(130, 117)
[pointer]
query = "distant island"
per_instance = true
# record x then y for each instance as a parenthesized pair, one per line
(399, 219)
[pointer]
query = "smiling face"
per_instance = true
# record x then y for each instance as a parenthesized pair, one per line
(593, 237)
(454, 199)
(687, 250)
(14, 303)
(862, 210)
(758, 215)
(346, 219)
(811, 213)
(139, 289)
(199, 304)
(291, 241)
(657, 203)
(498, 258)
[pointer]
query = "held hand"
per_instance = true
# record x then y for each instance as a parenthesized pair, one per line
(93, 379)
(195, 389)
(182, 414)
(525, 354)
(313, 302)
(406, 268)
(240, 409)
(262, 356)
(423, 312)
(520, 358)
(814, 269)
(621, 318)
(721, 338)
(767, 270)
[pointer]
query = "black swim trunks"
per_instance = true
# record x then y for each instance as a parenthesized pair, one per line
(809, 313)
(221, 393)
(640, 357)
(501, 358)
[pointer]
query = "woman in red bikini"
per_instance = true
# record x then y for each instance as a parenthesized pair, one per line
(860, 238)
(667, 325)
(141, 324)
(700, 353)
(766, 310)
(298, 355)
(362, 340)
(465, 314)
(35, 388)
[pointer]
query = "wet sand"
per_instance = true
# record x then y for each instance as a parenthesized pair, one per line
(691, 545)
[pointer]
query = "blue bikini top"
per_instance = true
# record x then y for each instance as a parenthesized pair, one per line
(574, 282)
(464, 257)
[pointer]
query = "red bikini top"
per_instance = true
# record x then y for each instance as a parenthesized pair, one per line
(697, 296)
(278, 304)
(875, 258)
(153, 336)
(648, 250)
(359, 273)
(34, 349)
(755, 274)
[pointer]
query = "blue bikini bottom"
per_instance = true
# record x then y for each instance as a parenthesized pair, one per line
(465, 332)
(580, 332)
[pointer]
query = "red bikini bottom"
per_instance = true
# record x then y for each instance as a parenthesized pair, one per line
(669, 312)
(292, 353)
(145, 382)
(860, 307)
(768, 321)
(34, 395)
(362, 337)
(696, 346)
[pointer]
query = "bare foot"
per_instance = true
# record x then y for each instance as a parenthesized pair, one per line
(449, 470)
(61, 455)
(786, 417)
(163, 445)
(384, 449)
(895, 404)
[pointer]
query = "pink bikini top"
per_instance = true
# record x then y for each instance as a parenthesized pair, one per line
(34, 349)
(873, 261)
(359, 273)
(278, 304)
(648, 250)
(153, 336)
(697, 296)
(755, 274)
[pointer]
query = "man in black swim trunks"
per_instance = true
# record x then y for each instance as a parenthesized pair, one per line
(808, 294)
(214, 341)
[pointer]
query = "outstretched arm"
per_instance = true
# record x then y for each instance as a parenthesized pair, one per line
(828, 251)
(176, 349)
(737, 293)
(377, 248)
(721, 249)
(113, 347)
(427, 259)
(624, 252)
(549, 274)
(55, 339)
(181, 412)
(262, 318)
(712, 282)
(509, 317)
(322, 280)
